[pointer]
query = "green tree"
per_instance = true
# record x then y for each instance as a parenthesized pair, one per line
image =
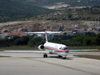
(6, 31)
(31, 43)
(87, 41)
(79, 39)
(21, 41)
(4, 43)
(70, 15)
(93, 41)
(17, 42)
(97, 39)
(38, 40)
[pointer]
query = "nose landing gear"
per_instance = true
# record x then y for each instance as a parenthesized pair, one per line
(64, 57)
(59, 56)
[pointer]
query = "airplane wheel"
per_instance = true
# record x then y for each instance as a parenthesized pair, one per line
(45, 55)
(59, 56)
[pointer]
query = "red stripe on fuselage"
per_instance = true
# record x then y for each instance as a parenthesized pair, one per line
(57, 50)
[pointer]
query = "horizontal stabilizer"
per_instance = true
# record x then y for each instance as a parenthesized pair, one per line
(50, 32)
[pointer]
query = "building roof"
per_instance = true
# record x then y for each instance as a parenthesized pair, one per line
(23, 35)
(16, 32)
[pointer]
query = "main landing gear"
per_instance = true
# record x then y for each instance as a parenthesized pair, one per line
(45, 55)
(59, 56)
(64, 57)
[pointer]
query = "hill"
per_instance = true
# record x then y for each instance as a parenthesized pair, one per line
(71, 3)
(10, 11)
(86, 14)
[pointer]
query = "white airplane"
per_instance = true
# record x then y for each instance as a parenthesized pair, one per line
(52, 48)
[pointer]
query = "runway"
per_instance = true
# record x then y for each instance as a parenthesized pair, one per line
(35, 64)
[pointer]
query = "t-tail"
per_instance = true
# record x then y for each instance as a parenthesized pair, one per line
(46, 39)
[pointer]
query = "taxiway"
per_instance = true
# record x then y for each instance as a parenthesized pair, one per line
(35, 64)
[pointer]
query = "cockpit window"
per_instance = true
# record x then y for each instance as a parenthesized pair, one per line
(65, 48)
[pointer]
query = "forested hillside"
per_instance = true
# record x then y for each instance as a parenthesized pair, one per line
(10, 11)
(52, 2)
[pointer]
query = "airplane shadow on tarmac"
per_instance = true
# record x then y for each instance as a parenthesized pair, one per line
(67, 58)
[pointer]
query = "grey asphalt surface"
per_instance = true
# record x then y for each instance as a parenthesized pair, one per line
(35, 64)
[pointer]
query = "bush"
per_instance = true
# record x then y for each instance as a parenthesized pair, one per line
(31, 43)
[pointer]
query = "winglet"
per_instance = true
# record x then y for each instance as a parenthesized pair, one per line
(46, 36)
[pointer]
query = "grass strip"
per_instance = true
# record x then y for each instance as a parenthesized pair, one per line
(89, 56)
(19, 48)
(4, 56)
(84, 47)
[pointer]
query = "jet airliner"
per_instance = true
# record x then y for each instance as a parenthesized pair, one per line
(54, 48)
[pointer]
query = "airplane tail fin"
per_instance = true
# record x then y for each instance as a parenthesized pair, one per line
(46, 39)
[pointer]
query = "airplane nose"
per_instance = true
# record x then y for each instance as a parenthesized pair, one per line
(66, 51)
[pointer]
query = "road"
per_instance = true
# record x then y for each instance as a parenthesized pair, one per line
(35, 64)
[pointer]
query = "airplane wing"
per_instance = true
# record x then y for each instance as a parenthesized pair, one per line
(50, 32)
(26, 51)
(82, 50)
